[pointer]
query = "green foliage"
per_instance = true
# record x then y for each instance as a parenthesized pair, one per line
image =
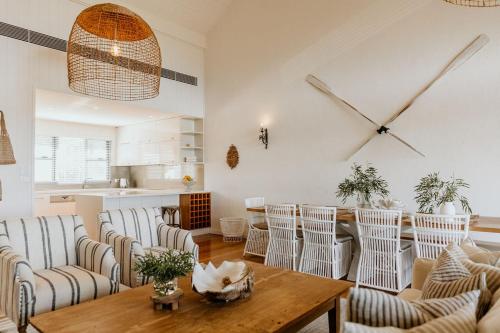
(432, 191)
(364, 183)
(167, 266)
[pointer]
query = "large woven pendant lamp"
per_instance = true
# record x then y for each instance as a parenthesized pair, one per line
(113, 54)
(475, 3)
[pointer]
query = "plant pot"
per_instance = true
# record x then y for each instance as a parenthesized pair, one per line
(448, 208)
(188, 186)
(363, 203)
(162, 288)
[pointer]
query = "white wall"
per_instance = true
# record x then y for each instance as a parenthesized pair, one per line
(376, 55)
(25, 67)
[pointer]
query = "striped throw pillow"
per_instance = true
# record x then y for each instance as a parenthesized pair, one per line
(463, 321)
(449, 277)
(378, 309)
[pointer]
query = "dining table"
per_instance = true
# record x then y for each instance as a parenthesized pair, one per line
(346, 223)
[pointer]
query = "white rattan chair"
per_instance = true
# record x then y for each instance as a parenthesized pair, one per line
(432, 233)
(284, 246)
(258, 234)
(324, 254)
(386, 261)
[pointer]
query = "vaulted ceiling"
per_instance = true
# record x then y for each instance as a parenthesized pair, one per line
(196, 15)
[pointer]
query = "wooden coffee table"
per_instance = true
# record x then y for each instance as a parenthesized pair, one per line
(282, 301)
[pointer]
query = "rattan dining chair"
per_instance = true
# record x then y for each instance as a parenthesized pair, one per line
(386, 261)
(432, 233)
(284, 248)
(324, 254)
(258, 233)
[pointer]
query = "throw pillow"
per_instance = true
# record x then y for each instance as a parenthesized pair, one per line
(377, 308)
(463, 320)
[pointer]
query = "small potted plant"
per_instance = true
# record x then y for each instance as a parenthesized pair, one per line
(188, 181)
(432, 192)
(165, 269)
(364, 184)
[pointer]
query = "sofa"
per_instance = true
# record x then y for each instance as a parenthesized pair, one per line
(134, 232)
(47, 263)
(489, 323)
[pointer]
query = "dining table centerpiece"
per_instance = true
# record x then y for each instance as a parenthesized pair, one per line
(435, 194)
(165, 269)
(365, 184)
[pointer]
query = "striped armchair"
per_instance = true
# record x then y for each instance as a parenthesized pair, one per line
(47, 263)
(136, 231)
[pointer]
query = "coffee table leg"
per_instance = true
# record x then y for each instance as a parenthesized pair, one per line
(334, 317)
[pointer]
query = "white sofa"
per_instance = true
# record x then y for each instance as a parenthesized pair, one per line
(47, 263)
(136, 231)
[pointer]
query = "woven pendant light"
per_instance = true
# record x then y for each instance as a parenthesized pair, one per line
(475, 3)
(6, 152)
(113, 53)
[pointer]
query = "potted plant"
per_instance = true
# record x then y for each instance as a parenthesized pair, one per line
(188, 181)
(433, 192)
(364, 183)
(165, 269)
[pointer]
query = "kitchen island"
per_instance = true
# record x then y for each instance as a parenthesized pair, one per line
(89, 204)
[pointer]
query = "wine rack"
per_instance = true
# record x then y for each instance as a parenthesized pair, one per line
(195, 210)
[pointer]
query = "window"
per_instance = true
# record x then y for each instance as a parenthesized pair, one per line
(72, 160)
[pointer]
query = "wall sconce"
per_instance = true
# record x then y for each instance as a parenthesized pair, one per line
(263, 135)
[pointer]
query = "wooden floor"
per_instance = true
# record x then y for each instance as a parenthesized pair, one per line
(212, 248)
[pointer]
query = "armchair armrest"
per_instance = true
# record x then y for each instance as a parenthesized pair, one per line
(17, 286)
(127, 250)
(177, 239)
(97, 257)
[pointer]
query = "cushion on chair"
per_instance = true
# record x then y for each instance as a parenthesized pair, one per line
(68, 285)
(406, 244)
(342, 238)
(379, 309)
(463, 321)
(261, 226)
(480, 255)
(410, 294)
(44, 241)
(140, 223)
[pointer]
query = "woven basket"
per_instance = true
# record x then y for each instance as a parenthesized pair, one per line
(232, 229)
(6, 152)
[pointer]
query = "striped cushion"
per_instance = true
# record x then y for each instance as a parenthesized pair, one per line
(449, 277)
(68, 285)
(45, 242)
(378, 309)
(463, 321)
(138, 223)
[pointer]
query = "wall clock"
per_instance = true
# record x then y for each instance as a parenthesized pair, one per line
(464, 55)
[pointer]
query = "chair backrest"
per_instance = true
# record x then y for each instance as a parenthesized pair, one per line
(432, 233)
(282, 221)
(379, 229)
(254, 217)
(318, 224)
(139, 223)
(45, 241)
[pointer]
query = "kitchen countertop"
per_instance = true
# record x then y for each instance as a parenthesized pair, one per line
(115, 192)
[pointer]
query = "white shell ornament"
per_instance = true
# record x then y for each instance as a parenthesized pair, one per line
(230, 281)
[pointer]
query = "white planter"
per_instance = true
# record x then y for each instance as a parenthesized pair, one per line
(448, 208)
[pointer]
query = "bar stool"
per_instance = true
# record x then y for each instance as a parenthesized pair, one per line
(169, 216)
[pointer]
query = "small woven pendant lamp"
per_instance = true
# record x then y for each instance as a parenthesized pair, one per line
(113, 54)
(475, 3)
(6, 151)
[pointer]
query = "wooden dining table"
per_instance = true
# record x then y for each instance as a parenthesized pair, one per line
(346, 222)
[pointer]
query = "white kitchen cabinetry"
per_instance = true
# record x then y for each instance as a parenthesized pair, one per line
(167, 141)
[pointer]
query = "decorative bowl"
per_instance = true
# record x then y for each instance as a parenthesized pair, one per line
(390, 203)
(230, 281)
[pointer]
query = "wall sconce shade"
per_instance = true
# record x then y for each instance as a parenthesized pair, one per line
(263, 137)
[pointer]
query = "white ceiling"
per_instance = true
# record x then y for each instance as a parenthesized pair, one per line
(196, 15)
(86, 110)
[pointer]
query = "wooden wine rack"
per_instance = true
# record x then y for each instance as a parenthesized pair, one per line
(195, 210)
